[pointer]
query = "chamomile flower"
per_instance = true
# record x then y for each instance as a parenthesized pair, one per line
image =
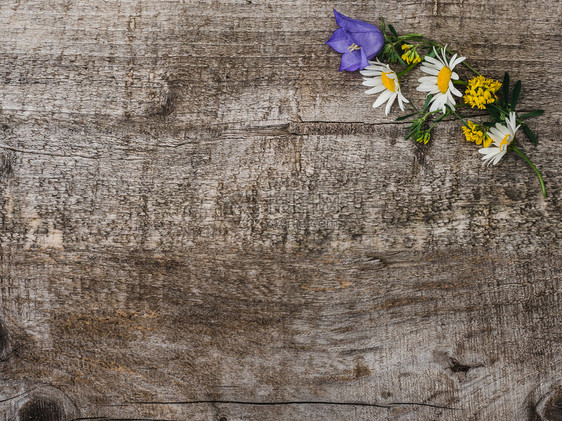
(440, 81)
(381, 78)
(502, 136)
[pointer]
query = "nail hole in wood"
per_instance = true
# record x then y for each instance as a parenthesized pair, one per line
(457, 367)
(41, 410)
(552, 410)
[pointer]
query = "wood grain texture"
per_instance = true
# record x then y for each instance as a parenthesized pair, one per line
(201, 219)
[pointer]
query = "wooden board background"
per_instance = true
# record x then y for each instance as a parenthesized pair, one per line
(201, 219)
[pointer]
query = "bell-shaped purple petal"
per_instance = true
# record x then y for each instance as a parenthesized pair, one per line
(340, 41)
(353, 60)
(353, 25)
(371, 42)
(368, 36)
(358, 41)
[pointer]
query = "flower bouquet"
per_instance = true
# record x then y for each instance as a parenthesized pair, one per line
(370, 50)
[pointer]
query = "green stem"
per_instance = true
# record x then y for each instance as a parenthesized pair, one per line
(410, 36)
(471, 68)
(528, 161)
(460, 82)
(460, 118)
(437, 121)
(406, 70)
(414, 106)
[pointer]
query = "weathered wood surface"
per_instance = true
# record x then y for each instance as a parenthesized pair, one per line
(201, 219)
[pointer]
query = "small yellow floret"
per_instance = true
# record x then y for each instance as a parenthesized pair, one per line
(410, 54)
(477, 134)
(481, 91)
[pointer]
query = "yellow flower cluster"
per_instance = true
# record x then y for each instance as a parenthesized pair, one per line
(481, 91)
(476, 133)
(410, 54)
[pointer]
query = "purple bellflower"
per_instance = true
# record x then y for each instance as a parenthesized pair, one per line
(358, 41)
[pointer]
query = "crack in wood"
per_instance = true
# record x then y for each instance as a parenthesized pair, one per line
(17, 396)
(33, 152)
(285, 403)
(119, 419)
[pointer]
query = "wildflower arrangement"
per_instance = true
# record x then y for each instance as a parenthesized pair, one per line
(372, 51)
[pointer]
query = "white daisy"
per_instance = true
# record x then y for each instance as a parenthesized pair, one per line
(382, 78)
(440, 83)
(501, 137)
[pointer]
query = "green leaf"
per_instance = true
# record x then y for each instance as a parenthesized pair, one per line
(505, 86)
(532, 137)
(533, 113)
(411, 134)
(493, 112)
(392, 30)
(414, 130)
(427, 103)
(404, 117)
(515, 94)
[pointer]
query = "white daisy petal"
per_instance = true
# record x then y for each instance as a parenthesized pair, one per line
(382, 98)
(372, 82)
(452, 60)
(447, 97)
(433, 61)
(375, 90)
(426, 88)
(498, 157)
(370, 73)
(454, 90)
(434, 107)
(390, 102)
(400, 101)
(428, 79)
(459, 60)
(494, 131)
(429, 70)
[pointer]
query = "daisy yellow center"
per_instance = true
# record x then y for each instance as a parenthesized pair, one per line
(388, 82)
(443, 79)
(505, 141)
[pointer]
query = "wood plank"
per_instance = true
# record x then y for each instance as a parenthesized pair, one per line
(202, 219)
